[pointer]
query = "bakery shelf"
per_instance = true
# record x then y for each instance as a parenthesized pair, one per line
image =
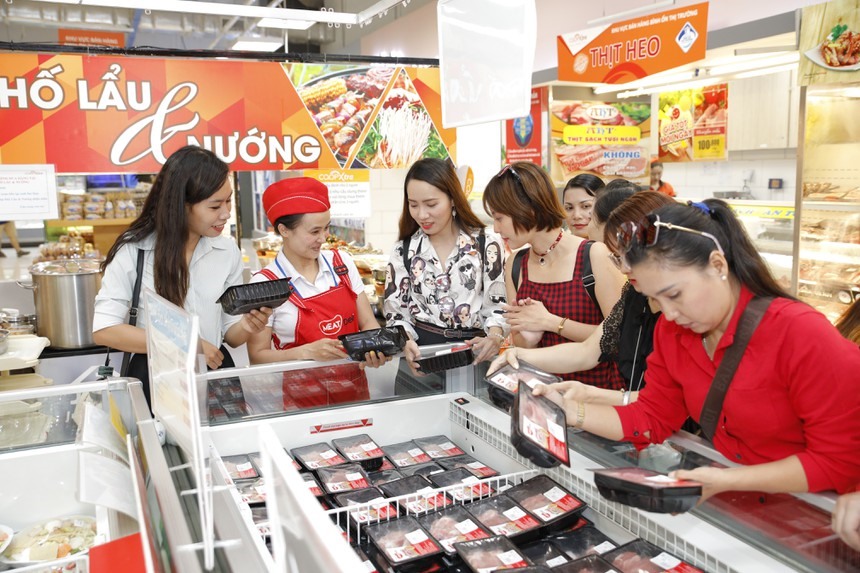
(831, 206)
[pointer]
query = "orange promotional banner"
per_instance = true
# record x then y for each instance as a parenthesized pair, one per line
(632, 49)
(91, 38)
(693, 124)
(110, 114)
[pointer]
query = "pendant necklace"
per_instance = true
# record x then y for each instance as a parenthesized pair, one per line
(542, 256)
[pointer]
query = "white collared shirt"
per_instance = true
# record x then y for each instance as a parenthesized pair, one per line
(215, 265)
(285, 318)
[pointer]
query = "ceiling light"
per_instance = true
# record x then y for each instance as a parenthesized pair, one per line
(255, 44)
(285, 24)
(618, 16)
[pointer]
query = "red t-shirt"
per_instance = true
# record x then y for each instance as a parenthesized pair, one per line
(795, 392)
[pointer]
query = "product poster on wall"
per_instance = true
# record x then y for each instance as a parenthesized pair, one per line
(524, 135)
(693, 124)
(609, 140)
(830, 43)
(109, 114)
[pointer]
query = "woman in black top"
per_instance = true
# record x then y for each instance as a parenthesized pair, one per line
(625, 336)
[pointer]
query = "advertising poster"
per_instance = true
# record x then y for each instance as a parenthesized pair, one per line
(524, 135)
(830, 43)
(693, 124)
(632, 49)
(112, 114)
(609, 140)
(348, 191)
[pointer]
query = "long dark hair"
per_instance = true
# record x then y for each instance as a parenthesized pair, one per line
(634, 208)
(190, 175)
(591, 183)
(441, 175)
(848, 324)
(608, 201)
(689, 249)
(527, 195)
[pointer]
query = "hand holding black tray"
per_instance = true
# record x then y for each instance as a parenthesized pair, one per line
(241, 299)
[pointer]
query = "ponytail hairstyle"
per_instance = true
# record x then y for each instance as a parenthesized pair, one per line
(190, 175)
(440, 174)
(683, 249)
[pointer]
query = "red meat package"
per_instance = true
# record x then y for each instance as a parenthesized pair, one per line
(346, 477)
(590, 564)
(502, 385)
(539, 429)
(478, 469)
(405, 454)
(647, 489)
(491, 554)
(544, 553)
(640, 556)
(312, 484)
(422, 497)
(371, 506)
(317, 456)
(439, 447)
(361, 449)
(547, 500)
(403, 540)
(240, 467)
(384, 476)
(425, 470)
(252, 491)
(451, 526)
(503, 516)
(584, 541)
(472, 488)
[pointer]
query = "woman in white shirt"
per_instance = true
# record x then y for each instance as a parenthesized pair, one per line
(186, 260)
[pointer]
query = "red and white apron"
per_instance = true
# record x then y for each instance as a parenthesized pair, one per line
(325, 315)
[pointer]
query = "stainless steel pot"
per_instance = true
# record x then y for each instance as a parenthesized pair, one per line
(65, 294)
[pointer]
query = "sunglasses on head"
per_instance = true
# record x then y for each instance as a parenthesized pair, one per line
(510, 169)
(647, 232)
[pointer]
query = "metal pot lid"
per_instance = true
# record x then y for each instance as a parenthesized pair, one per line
(67, 267)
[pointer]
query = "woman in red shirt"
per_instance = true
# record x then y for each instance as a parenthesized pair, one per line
(792, 411)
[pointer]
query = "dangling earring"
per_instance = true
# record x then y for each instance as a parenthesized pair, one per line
(453, 212)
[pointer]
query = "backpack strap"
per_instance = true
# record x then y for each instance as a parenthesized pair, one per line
(588, 280)
(482, 244)
(516, 267)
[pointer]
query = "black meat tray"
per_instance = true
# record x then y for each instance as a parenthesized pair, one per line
(647, 489)
(455, 357)
(389, 340)
(240, 299)
(532, 421)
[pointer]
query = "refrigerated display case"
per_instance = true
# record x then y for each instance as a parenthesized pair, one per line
(828, 268)
(770, 225)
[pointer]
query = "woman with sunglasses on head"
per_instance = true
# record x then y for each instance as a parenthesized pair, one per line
(185, 259)
(626, 336)
(546, 283)
(438, 228)
(579, 195)
(791, 410)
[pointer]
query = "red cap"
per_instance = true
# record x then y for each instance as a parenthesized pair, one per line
(295, 196)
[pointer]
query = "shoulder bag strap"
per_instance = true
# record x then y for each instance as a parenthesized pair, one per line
(132, 312)
(482, 244)
(747, 324)
(588, 280)
(516, 267)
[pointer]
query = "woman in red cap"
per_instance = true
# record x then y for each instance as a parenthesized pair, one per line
(328, 297)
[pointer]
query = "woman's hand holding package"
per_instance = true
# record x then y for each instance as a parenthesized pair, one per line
(213, 354)
(412, 354)
(323, 349)
(713, 480)
(846, 519)
(566, 394)
(509, 356)
(485, 347)
(373, 359)
(256, 320)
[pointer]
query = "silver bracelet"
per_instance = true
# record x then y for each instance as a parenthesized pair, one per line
(625, 400)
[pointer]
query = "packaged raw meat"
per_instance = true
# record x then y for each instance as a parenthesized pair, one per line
(439, 447)
(425, 470)
(312, 484)
(502, 385)
(545, 553)
(451, 526)
(346, 477)
(539, 429)
(368, 565)
(547, 500)
(361, 449)
(471, 490)
(252, 492)
(640, 556)
(448, 359)
(403, 540)
(373, 507)
(491, 554)
(384, 476)
(589, 564)
(240, 467)
(503, 516)
(478, 469)
(296, 464)
(422, 497)
(389, 340)
(584, 541)
(405, 454)
(317, 456)
(260, 516)
(386, 465)
(647, 489)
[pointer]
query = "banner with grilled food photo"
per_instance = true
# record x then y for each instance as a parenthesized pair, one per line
(830, 43)
(610, 140)
(111, 114)
(693, 124)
